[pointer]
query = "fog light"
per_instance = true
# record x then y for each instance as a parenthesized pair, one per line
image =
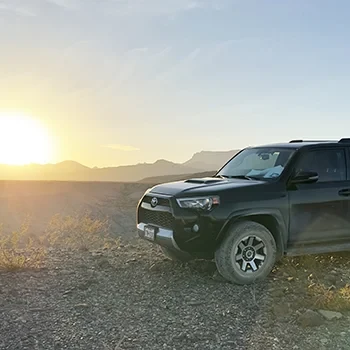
(195, 228)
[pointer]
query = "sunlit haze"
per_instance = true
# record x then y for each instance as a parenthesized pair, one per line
(125, 82)
(23, 140)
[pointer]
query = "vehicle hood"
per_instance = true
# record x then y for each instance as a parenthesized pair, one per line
(206, 184)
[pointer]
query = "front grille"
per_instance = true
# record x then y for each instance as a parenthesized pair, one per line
(161, 201)
(158, 218)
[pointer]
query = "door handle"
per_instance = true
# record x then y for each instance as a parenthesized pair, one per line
(345, 192)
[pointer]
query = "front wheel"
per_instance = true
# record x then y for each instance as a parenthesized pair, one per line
(247, 254)
(176, 255)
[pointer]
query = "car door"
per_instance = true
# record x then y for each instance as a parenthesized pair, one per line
(319, 212)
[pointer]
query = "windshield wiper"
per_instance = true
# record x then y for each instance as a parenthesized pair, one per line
(246, 177)
(222, 176)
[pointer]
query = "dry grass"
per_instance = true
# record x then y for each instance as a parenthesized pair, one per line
(310, 274)
(329, 298)
(19, 251)
(302, 265)
(81, 232)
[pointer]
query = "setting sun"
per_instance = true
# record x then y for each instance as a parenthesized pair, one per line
(23, 140)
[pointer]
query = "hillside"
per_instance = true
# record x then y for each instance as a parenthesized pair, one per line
(209, 159)
(74, 171)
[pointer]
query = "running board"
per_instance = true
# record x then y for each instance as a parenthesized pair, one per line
(318, 249)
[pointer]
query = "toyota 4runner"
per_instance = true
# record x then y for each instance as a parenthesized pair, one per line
(266, 202)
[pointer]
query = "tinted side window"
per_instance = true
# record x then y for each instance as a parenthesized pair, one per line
(329, 164)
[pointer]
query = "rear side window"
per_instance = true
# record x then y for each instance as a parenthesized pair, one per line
(329, 164)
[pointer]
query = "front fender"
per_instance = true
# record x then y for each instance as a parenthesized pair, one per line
(280, 233)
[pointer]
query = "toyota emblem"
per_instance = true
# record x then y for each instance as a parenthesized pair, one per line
(154, 202)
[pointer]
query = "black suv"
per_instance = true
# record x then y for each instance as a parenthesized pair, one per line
(266, 202)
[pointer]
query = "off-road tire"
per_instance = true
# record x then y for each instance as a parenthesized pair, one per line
(230, 250)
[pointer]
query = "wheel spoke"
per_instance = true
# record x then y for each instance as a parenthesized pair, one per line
(260, 257)
(250, 241)
(259, 246)
(239, 257)
(241, 245)
(244, 266)
(253, 265)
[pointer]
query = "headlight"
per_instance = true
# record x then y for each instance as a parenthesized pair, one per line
(203, 203)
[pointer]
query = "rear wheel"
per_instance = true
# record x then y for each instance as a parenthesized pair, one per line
(176, 255)
(247, 254)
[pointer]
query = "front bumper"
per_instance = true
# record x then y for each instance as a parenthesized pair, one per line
(163, 237)
(174, 226)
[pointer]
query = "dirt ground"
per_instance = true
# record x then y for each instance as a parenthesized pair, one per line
(42, 200)
(131, 297)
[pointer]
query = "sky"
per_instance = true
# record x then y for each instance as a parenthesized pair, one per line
(126, 81)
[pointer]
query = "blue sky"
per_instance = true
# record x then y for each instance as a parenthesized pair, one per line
(127, 81)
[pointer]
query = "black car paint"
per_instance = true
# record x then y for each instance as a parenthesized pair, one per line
(286, 209)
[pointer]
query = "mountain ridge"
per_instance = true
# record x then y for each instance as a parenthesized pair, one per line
(70, 170)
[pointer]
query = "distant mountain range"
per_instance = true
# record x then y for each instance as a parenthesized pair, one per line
(205, 161)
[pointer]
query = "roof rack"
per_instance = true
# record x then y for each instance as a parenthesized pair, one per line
(300, 141)
(346, 140)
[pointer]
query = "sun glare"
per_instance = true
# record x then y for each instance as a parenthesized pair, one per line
(23, 140)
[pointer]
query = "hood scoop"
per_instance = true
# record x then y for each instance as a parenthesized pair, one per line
(205, 180)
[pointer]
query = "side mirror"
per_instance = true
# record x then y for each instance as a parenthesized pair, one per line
(305, 177)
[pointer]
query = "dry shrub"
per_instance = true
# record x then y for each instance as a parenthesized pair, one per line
(19, 251)
(78, 231)
(301, 266)
(330, 298)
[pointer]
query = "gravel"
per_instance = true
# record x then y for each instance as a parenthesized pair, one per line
(134, 298)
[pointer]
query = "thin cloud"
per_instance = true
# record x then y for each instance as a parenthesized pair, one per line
(162, 7)
(18, 10)
(65, 4)
(125, 148)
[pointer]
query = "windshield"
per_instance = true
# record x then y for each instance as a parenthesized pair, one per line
(260, 163)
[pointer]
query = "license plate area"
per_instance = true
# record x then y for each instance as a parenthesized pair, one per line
(150, 232)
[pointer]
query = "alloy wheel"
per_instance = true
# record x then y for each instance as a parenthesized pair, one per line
(250, 254)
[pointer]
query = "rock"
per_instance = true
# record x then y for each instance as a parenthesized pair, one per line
(21, 319)
(96, 253)
(331, 279)
(330, 315)
(103, 263)
(343, 334)
(280, 310)
(310, 319)
(156, 267)
(195, 303)
(277, 293)
(324, 341)
(218, 278)
(179, 337)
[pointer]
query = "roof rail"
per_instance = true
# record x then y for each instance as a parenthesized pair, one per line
(345, 140)
(300, 141)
